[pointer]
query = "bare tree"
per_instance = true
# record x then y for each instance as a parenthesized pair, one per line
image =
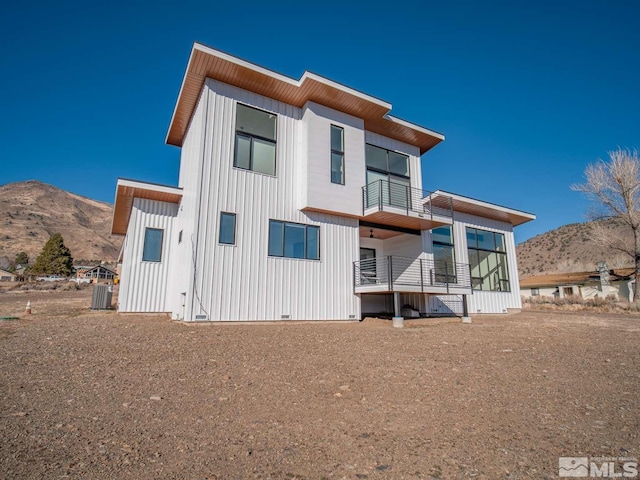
(614, 189)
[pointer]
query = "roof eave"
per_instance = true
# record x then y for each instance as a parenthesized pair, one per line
(127, 190)
(206, 62)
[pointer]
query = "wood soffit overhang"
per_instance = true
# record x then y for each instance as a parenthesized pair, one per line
(127, 190)
(206, 62)
(479, 208)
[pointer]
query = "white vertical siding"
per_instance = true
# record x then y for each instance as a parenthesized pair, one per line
(191, 162)
(144, 284)
(444, 305)
(242, 282)
(320, 193)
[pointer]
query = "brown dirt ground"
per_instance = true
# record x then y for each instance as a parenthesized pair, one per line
(101, 395)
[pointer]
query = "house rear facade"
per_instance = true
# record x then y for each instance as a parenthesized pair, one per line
(303, 200)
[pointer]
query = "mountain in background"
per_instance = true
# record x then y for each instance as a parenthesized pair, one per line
(568, 249)
(30, 212)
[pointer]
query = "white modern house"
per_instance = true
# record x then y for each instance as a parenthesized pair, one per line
(303, 200)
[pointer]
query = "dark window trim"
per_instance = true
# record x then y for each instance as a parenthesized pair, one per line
(338, 152)
(388, 172)
(306, 227)
(251, 137)
(499, 252)
(448, 276)
(144, 242)
(231, 214)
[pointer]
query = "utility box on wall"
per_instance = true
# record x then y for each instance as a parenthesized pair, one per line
(101, 299)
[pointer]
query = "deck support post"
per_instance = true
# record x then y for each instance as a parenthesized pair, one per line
(465, 310)
(398, 321)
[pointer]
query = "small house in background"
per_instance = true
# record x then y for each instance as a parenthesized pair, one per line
(585, 285)
(81, 270)
(7, 276)
(97, 273)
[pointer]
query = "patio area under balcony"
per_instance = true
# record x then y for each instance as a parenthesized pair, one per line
(410, 275)
(390, 203)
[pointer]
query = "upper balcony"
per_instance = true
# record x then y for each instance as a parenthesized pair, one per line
(390, 203)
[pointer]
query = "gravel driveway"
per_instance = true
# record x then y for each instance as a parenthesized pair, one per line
(100, 395)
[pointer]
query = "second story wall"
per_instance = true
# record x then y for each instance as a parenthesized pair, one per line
(319, 192)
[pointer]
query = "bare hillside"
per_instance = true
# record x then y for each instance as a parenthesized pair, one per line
(30, 212)
(566, 249)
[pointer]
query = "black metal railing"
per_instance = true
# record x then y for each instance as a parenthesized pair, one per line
(395, 272)
(387, 193)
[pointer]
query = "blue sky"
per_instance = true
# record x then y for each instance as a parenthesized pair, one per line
(527, 93)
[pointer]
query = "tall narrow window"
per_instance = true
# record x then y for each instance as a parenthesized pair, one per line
(255, 147)
(294, 240)
(337, 155)
(488, 260)
(443, 255)
(152, 250)
(227, 228)
(388, 180)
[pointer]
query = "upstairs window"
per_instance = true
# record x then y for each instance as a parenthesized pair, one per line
(152, 250)
(488, 260)
(337, 155)
(255, 147)
(294, 240)
(388, 180)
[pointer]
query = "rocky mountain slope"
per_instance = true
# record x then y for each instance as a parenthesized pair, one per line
(31, 211)
(569, 248)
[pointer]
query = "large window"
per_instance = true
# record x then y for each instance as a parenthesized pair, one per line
(294, 240)
(337, 155)
(443, 255)
(227, 228)
(388, 178)
(152, 250)
(255, 147)
(488, 260)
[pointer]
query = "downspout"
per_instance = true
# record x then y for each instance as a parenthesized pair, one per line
(195, 244)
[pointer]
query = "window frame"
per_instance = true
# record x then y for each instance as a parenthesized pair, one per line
(251, 137)
(388, 170)
(234, 216)
(439, 271)
(337, 152)
(388, 198)
(144, 245)
(283, 243)
(500, 257)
